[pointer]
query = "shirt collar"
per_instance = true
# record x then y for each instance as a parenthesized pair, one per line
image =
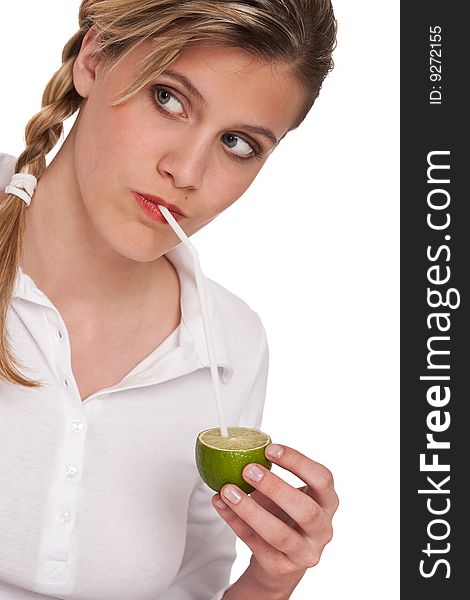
(191, 328)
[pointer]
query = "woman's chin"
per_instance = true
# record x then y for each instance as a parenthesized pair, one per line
(139, 244)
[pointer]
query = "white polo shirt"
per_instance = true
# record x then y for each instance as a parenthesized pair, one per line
(101, 499)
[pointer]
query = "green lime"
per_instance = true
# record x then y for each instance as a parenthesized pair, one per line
(221, 460)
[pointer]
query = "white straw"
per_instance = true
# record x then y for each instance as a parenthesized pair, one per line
(205, 316)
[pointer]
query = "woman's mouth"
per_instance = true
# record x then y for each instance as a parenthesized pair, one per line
(149, 206)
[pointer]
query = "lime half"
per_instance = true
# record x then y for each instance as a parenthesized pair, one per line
(221, 460)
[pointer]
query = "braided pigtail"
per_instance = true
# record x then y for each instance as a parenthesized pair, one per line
(60, 100)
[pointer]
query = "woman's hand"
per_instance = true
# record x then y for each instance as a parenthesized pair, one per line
(285, 527)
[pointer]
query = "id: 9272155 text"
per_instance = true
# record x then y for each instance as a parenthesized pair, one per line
(435, 64)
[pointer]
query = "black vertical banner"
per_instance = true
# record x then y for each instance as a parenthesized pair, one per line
(435, 302)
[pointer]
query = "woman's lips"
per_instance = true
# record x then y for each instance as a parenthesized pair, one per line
(149, 205)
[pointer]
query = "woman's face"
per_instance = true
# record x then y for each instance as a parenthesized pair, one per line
(197, 146)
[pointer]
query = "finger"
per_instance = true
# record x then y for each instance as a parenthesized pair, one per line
(269, 505)
(318, 478)
(272, 530)
(300, 507)
(246, 533)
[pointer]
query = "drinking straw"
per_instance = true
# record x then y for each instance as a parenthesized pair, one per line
(205, 315)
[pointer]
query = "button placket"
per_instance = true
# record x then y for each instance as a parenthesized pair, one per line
(62, 508)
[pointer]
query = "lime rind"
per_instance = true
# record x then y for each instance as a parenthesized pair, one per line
(240, 439)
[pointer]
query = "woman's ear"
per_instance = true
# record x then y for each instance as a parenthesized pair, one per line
(86, 65)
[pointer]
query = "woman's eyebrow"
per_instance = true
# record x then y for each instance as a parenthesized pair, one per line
(267, 133)
(187, 84)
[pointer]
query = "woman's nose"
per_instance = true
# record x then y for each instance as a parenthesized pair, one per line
(185, 163)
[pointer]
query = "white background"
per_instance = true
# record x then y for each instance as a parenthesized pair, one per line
(313, 248)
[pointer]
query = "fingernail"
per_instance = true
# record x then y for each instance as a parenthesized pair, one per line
(220, 504)
(254, 473)
(274, 451)
(231, 494)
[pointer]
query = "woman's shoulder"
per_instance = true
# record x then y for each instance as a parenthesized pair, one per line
(7, 169)
(237, 316)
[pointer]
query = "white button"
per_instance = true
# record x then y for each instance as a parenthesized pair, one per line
(66, 383)
(65, 518)
(71, 472)
(77, 425)
(60, 334)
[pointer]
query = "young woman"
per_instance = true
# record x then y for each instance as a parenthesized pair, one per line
(104, 379)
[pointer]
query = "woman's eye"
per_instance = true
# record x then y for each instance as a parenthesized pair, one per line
(168, 100)
(242, 148)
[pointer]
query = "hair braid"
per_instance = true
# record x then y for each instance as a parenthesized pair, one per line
(60, 100)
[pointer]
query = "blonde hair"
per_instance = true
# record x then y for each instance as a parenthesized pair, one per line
(298, 33)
